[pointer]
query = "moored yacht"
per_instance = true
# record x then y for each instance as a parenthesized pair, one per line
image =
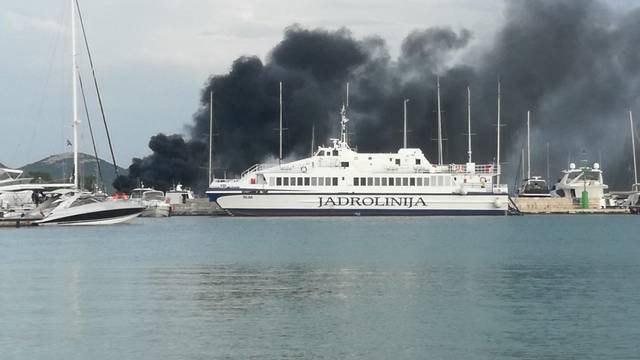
(153, 201)
(337, 180)
(576, 180)
(71, 207)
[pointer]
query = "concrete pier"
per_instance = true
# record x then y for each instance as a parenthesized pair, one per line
(532, 205)
(16, 222)
(197, 207)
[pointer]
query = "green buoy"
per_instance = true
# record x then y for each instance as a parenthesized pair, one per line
(585, 200)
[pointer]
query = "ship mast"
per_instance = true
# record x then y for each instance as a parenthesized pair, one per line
(404, 130)
(528, 145)
(280, 128)
(440, 159)
(343, 126)
(498, 140)
(210, 135)
(76, 121)
(469, 123)
(633, 146)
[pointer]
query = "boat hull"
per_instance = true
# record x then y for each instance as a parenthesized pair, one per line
(363, 204)
(90, 215)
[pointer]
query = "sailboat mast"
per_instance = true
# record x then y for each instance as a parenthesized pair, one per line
(469, 123)
(76, 122)
(498, 140)
(548, 178)
(210, 135)
(313, 138)
(528, 145)
(440, 159)
(633, 145)
(280, 129)
(404, 129)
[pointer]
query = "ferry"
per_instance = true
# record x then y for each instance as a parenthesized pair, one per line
(338, 181)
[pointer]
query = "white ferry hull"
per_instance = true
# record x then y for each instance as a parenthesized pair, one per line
(363, 204)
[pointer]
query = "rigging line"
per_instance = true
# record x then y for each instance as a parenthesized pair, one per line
(93, 140)
(95, 82)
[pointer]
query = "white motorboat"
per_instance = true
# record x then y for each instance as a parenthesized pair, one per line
(70, 207)
(534, 187)
(153, 201)
(576, 180)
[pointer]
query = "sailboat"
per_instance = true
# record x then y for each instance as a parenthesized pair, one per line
(532, 186)
(75, 206)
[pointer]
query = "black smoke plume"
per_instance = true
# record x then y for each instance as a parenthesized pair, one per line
(573, 63)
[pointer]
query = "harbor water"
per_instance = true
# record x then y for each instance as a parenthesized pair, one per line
(533, 287)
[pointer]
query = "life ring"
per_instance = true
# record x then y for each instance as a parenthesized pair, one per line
(303, 169)
(483, 179)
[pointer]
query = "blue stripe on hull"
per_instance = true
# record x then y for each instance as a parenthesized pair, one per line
(363, 212)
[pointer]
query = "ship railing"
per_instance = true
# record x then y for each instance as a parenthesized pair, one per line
(256, 168)
(480, 169)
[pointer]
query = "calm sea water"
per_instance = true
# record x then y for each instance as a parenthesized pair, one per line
(556, 287)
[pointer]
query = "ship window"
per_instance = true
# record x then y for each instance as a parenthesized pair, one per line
(397, 161)
(335, 152)
(419, 181)
(398, 182)
(321, 153)
(433, 181)
(377, 181)
(314, 181)
(306, 181)
(412, 181)
(356, 181)
(447, 181)
(384, 181)
(328, 153)
(417, 161)
(426, 181)
(293, 181)
(335, 181)
(271, 180)
(391, 159)
(286, 181)
(299, 181)
(321, 181)
(405, 182)
(363, 181)
(440, 180)
(370, 181)
(390, 181)
(327, 181)
(369, 157)
(344, 164)
(279, 181)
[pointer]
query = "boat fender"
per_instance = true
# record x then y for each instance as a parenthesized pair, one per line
(303, 169)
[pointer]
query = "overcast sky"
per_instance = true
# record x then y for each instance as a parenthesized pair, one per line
(153, 56)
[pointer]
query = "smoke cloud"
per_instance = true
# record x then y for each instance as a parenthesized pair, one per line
(573, 63)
